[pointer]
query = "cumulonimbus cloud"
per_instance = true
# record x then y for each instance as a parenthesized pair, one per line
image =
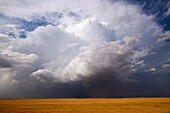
(85, 41)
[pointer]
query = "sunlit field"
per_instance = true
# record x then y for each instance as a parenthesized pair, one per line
(124, 105)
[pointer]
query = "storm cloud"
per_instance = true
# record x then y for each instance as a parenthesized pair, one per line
(81, 49)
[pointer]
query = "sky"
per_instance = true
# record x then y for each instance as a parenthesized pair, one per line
(84, 48)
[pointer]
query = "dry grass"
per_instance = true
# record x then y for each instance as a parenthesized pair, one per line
(125, 105)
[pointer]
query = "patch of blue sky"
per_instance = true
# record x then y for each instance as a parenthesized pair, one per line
(31, 25)
(166, 23)
(22, 34)
(168, 40)
(151, 7)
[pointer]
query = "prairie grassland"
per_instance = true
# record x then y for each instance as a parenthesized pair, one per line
(124, 105)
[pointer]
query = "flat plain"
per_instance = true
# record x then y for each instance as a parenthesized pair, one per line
(103, 105)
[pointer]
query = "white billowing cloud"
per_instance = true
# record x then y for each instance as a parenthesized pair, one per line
(85, 29)
(43, 75)
(3, 36)
(101, 37)
(49, 45)
(92, 29)
(19, 58)
(47, 42)
(98, 58)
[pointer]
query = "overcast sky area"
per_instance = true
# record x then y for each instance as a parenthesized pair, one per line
(84, 48)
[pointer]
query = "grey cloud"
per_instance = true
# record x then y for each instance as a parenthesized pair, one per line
(5, 63)
(166, 66)
(102, 85)
(151, 70)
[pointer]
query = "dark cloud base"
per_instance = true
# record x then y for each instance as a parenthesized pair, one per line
(97, 87)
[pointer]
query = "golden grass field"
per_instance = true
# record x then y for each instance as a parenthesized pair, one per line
(124, 105)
